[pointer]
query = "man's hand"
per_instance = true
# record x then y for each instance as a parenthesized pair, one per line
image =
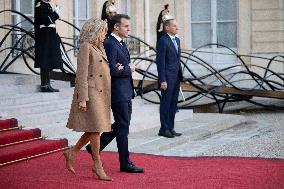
(119, 66)
(83, 106)
(164, 85)
(132, 67)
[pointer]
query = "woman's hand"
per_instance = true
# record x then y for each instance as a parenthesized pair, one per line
(83, 106)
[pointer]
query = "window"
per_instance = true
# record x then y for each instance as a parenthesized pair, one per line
(81, 14)
(125, 6)
(227, 22)
(27, 8)
(214, 21)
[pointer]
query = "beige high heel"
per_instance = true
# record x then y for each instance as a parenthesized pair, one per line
(69, 155)
(99, 171)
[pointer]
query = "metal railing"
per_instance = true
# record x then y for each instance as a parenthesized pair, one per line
(197, 71)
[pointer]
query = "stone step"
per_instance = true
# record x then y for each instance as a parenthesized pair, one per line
(64, 104)
(34, 120)
(49, 111)
(19, 99)
(26, 79)
(36, 107)
(19, 79)
(55, 120)
(8, 90)
(199, 147)
(196, 128)
(54, 130)
(148, 120)
(137, 125)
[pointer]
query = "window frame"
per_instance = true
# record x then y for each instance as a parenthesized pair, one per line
(213, 22)
(76, 18)
(17, 18)
(18, 8)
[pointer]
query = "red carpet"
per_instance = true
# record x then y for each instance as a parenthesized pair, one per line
(8, 123)
(18, 135)
(18, 143)
(30, 149)
(49, 172)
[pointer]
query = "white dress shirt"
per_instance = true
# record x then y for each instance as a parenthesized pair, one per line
(119, 39)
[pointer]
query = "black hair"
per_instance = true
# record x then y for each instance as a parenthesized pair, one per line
(116, 19)
(104, 14)
(166, 6)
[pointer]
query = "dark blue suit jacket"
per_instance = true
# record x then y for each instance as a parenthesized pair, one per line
(168, 60)
(121, 80)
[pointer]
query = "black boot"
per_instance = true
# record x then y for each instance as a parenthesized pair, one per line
(48, 83)
(44, 81)
(46, 89)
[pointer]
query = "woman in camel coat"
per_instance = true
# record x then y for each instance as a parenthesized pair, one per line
(90, 109)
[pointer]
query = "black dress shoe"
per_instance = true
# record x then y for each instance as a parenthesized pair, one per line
(46, 89)
(175, 133)
(131, 168)
(166, 133)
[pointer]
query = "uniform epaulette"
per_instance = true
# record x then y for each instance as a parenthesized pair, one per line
(38, 4)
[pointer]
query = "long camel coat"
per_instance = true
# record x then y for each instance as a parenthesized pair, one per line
(93, 84)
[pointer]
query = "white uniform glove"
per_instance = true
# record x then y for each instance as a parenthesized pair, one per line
(56, 9)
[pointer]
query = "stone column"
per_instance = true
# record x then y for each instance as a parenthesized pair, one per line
(267, 32)
(5, 18)
(244, 28)
(182, 17)
(147, 21)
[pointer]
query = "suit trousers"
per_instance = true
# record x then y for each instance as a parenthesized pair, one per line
(168, 105)
(120, 130)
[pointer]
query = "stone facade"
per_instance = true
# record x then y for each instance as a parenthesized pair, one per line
(267, 26)
(260, 23)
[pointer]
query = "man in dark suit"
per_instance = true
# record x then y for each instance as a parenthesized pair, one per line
(170, 75)
(122, 91)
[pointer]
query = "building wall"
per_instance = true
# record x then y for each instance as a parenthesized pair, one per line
(4, 18)
(267, 26)
(260, 24)
(267, 17)
(177, 9)
(244, 28)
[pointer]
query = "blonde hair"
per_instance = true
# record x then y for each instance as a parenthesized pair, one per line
(91, 30)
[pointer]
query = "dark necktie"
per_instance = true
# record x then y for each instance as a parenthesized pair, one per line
(175, 43)
(123, 44)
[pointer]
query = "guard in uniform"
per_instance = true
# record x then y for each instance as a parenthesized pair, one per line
(108, 11)
(159, 27)
(47, 42)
